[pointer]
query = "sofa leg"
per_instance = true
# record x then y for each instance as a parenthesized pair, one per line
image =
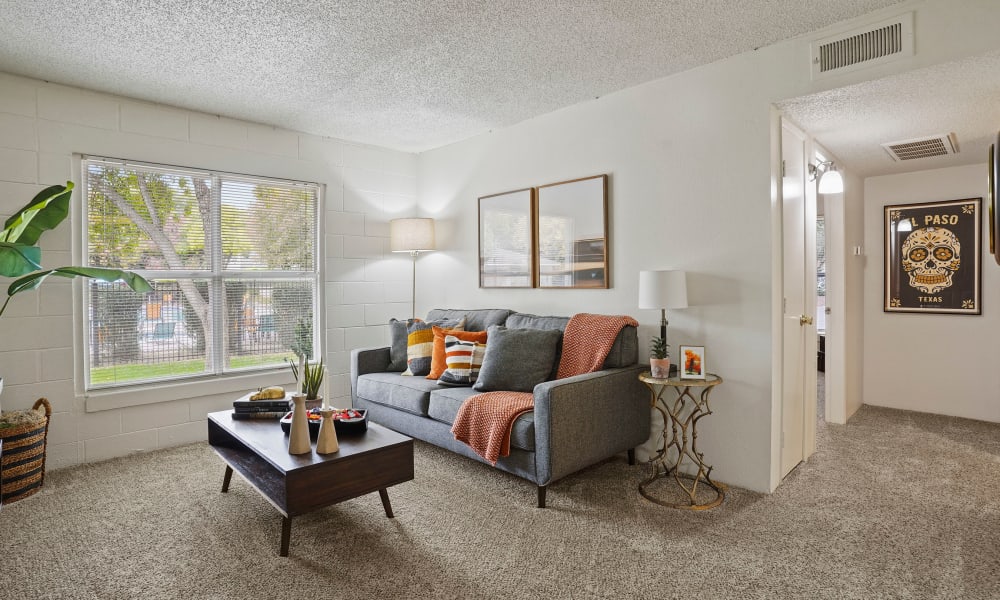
(631, 456)
(541, 496)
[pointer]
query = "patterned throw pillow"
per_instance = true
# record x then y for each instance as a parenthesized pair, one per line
(420, 344)
(463, 358)
(438, 363)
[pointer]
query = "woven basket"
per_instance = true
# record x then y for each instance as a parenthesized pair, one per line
(22, 464)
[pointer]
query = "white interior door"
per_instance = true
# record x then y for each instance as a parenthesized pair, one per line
(799, 302)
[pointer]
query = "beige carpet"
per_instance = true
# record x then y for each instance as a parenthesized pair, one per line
(894, 505)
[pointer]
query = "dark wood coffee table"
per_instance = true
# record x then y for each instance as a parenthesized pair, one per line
(297, 484)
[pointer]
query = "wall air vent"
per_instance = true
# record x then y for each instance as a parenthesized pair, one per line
(874, 44)
(926, 147)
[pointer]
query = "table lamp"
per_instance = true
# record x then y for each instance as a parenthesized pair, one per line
(663, 290)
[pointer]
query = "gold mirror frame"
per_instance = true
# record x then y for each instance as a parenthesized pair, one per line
(991, 201)
(992, 198)
(506, 242)
(571, 234)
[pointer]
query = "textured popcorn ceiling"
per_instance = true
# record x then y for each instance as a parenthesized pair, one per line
(957, 97)
(410, 75)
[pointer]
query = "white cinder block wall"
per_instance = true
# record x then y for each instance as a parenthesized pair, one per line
(43, 130)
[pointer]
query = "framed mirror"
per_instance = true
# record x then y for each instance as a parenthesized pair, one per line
(991, 201)
(505, 240)
(571, 229)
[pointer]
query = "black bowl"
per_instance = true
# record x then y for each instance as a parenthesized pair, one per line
(355, 425)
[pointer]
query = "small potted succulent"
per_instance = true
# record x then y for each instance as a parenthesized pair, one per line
(659, 358)
(309, 376)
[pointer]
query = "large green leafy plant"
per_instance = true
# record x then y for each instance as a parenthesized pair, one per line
(20, 256)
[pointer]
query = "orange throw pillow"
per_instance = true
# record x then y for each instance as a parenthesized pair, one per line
(439, 362)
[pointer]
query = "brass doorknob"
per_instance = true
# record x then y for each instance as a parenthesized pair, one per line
(804, 320)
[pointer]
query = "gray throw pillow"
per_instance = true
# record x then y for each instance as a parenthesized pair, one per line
(397, 344)
(517, 359)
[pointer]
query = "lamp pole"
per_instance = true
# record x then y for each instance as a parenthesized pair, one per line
(413, 295)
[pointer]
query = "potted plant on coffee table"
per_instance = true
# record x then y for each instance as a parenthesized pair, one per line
(659, 358)
(309, 377)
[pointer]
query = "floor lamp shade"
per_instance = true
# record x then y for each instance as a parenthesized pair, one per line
(411, 235)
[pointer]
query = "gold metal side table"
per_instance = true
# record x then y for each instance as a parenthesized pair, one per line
(680, 433)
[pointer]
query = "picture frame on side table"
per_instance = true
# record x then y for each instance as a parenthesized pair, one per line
(571, 233)
(932, 257)
(692, 365)
(506, 240)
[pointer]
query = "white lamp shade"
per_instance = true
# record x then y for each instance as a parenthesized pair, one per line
(663, 289)
(411, 235)
(832, 182)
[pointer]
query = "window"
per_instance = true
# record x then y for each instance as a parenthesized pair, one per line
(233, 263)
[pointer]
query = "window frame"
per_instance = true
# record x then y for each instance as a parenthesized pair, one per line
(217, 378)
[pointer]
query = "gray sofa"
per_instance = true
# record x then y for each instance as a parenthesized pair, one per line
(577, 421)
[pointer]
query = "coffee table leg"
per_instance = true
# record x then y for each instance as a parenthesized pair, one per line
(226, 479)
(384, 494)
(286, 534)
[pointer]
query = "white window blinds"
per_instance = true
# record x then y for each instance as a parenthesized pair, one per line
(232, 259)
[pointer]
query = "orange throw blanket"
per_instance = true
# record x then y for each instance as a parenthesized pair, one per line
(587, 341)
(485, 421)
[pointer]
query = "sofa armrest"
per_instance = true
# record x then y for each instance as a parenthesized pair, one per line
(366, 360)
(587, 418)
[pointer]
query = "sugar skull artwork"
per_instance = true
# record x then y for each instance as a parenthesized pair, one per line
(924, 266)
(930, 257)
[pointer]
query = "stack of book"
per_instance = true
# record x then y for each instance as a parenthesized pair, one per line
(259, 409)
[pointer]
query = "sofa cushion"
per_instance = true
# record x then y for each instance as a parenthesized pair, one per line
(517, 359)
(420, 344)
(526, 321)
(444, 405)
(410, 394)
(438, 363)
(624, 352)
(463, 359)
(475, 320)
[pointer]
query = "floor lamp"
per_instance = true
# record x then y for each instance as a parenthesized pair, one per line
(663, 290)
(412, 235)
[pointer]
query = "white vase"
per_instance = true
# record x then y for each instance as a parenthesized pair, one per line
(298, 433)
(326, 442)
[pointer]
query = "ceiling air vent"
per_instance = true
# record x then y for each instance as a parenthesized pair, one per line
(926, 147)
(874, 44)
